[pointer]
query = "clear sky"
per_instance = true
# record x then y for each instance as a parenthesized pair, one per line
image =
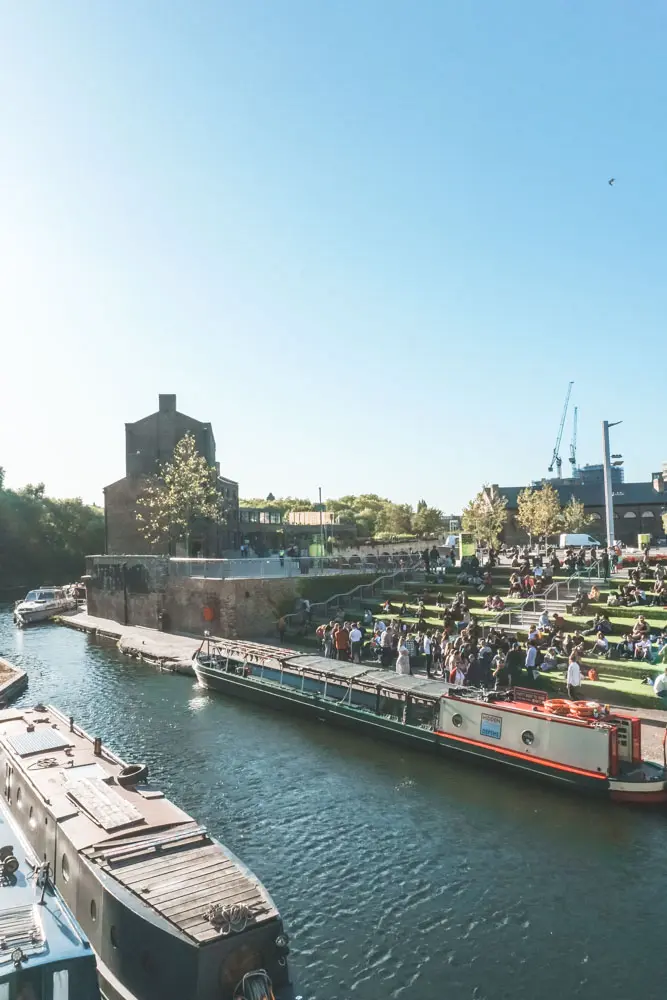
(371, 241)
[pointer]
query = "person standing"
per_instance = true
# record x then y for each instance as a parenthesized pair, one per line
(356, 639)
(573, 678)
(403, 659)
(531, 659)
(427, 645)
(342, 642)
(604, 564)
(282, 626)
(413, 651)
(386, 640)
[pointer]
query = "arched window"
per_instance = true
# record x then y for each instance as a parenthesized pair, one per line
(596, 517)
(630, 513)
(648, 513)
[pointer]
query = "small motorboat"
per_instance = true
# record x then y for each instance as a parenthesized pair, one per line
(42, 604)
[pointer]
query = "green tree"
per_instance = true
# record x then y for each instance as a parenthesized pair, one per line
(485, 516)
(539, 511)
(184, 491)
(427, 520)
(574, 517)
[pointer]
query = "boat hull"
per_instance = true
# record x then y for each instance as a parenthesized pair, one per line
(390, 730)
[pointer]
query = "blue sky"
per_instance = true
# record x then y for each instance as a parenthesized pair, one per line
(371, 241)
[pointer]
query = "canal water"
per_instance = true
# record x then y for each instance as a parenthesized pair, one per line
(397, 875)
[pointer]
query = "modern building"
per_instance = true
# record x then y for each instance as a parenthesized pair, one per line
(638, 507)
(595, 474)
(149, 442)
(265, 529)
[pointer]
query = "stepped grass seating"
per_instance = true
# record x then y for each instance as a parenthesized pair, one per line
(620, 681)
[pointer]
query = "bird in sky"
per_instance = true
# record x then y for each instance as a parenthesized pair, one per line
(611, 181)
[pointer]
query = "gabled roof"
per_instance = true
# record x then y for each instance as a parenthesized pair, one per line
(592, 494)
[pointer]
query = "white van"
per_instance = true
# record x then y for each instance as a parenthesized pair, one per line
(578, 542)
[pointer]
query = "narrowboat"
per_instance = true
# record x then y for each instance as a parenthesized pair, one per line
(44, 954)
(582, 745)
(169, 911)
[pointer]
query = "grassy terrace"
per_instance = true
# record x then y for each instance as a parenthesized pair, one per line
(620, 681)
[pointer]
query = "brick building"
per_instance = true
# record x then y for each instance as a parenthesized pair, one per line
(148, 443)
(637, 507)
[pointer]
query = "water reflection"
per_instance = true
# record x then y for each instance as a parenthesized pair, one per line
(398, 874)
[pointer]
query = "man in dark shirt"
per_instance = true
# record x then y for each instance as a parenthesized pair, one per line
(514, 663)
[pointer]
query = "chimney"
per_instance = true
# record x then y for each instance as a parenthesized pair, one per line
(658, 482)
(167, 403)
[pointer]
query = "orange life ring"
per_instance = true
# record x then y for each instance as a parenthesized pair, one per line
(584, 709)
(557, 706)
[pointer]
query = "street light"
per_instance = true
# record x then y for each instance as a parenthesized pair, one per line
(608, 489)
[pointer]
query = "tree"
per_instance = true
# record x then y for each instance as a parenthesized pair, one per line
(539, 511)
(485, 516)
(574, 517)
(395, 518)
(427, 520)
(184, 491)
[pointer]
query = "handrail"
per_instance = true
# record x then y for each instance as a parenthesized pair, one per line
(337, 598)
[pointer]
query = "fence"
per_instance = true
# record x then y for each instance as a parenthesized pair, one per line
(271, 567)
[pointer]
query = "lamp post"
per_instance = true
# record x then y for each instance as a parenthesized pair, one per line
(608, 487)
(321, 531)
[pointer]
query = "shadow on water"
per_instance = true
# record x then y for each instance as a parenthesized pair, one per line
(398, 874)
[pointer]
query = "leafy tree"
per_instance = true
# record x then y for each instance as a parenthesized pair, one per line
(539, 511)
(427, 520)
(485, 516)
(184, 491)
(574, 517)
(44, 540)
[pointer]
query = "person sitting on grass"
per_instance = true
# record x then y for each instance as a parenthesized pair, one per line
(594, 593)
(514, 586)
(660, 686)
(403, 610)
(640, 628)
(643, 649)
(659, 595)
(386, 607)
(601, 645)
(550, 661)
(498, 603)
(543, 622)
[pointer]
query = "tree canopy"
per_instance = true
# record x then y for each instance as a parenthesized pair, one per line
(371, 514)
(485, 516)
(539, 510)
(44, 540)
(573, 516)
(183, 492)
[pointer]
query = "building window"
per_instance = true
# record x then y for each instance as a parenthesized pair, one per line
(253, 516)
(648, 513)
(275, 517)
(630, 513)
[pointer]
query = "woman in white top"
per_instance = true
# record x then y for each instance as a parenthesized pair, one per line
(403, 660)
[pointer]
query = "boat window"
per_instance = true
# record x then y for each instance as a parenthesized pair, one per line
(18, 797)
(64, 867)
(32, 595)
(4, 991)
(114, 936)
(61, 985)
(93, 910)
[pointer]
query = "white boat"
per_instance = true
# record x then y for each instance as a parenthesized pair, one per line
(42, 604)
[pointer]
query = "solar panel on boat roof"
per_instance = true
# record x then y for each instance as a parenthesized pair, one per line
(105, 806)
(38, 741)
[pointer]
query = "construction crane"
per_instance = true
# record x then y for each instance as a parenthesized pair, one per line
(573, 444)
(556, 460)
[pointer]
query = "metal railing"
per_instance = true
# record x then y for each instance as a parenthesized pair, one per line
(364, 591)
(272, 567)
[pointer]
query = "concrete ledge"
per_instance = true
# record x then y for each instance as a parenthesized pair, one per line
(16, 682)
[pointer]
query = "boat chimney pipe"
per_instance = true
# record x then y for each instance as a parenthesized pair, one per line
(97, 746)
(71, 723)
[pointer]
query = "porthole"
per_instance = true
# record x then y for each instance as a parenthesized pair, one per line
(93, 910)
(113, 936)
(457, 720)
(64, 867)
(528, 737)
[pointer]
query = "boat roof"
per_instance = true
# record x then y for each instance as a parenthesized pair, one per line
(388, 680)
(44, 931)
(136, 835)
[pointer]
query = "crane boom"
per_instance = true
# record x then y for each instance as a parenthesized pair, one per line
(573, 444)
(555, 458)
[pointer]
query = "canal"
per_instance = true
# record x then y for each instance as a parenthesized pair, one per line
(397, 876)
